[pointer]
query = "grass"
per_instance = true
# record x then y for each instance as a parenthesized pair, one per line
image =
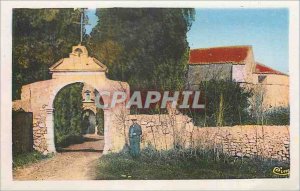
(20, 160)
(187, 164)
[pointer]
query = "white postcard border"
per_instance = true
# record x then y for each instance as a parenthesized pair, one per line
(234, 184)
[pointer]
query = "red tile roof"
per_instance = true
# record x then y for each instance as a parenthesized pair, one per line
(229, 54)
(262, 69)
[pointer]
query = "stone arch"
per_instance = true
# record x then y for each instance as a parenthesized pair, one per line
(38, 97)
(89, 108)
(50, 119)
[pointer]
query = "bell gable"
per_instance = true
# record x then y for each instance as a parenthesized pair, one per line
(78, 61)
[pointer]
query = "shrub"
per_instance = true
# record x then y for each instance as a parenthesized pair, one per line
(277, 116)
(226, 104)
(28, 158)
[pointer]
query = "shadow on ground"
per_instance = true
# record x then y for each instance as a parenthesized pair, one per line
(91, 143)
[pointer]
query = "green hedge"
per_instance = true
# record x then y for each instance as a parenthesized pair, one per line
(277, 116)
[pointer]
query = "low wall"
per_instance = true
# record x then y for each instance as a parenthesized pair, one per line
(246, 141)
(168, 131)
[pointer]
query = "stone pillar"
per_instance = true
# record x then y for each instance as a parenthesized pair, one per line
(50, 131)
(107, 131)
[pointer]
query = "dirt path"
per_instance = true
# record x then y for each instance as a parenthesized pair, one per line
(77, 162)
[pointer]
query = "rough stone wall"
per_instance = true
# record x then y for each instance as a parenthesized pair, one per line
(158, 130)
(38, 125)
(165, 131)
(34, 98)
(21, 105)
(246, 141)
(40, 131)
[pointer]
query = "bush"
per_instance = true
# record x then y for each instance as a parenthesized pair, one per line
(226, 104)
(28, 158)
(277, 116)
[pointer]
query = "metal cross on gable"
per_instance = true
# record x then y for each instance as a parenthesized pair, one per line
(83, 21)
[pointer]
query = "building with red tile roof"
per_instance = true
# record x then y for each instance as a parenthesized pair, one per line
(219, 55)
(263, 69)
(237, 63)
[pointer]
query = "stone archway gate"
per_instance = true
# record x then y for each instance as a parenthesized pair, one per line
(38, 97)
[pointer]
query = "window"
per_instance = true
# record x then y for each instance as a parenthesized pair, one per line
(261, 78)
(78, 51)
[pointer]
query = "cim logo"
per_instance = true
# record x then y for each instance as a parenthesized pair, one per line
(280, 171)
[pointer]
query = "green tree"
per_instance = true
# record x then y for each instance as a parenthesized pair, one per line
(40, 38)
(146, 47)
(67, 115)
(226, 103)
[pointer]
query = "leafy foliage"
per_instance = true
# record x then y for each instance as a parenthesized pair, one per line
(67, 115)
(226, 103)
(277, 116)
(146, 47)
(40, 38)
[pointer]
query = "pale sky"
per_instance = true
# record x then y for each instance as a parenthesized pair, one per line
(265, 29)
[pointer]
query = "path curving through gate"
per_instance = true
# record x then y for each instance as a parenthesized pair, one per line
(75, 162)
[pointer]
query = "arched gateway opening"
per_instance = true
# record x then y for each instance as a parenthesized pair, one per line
(78, 124)
(39, 97)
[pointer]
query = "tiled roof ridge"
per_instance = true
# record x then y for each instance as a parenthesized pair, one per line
(222, 54)
(216, 47)
(272, 71)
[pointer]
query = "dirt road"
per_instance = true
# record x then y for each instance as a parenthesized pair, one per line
(76, 162)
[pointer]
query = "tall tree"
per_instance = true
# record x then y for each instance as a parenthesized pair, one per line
(40, 38)
(146, 47)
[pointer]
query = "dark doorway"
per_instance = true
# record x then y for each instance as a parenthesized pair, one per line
(88, 122)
